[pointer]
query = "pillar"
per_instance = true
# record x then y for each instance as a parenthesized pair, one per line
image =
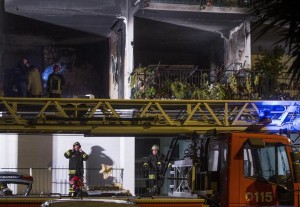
(129, 51)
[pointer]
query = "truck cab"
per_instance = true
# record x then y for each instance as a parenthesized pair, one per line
(250, 169)
(238, 169)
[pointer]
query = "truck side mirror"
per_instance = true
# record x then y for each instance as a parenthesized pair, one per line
(295, 156)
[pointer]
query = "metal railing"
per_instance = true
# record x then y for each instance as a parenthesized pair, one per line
(217, 3)
(195, 2)
(141, 179)
(56, 180)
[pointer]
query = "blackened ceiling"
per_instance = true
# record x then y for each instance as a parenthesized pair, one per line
(78, 21)
(92, 16)
(212, 22)
(25, 31)
(97, 16)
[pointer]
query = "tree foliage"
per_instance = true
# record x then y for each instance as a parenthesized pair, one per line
(270, 66)
(283, 16)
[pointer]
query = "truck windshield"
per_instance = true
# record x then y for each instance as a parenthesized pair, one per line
(269, 163)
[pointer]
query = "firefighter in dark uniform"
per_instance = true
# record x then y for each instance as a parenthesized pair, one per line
(76, 157)
(55, 82)
(155, 166)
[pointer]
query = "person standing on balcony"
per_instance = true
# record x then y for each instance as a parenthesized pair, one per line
(155, 166)
(34, 83)
(76, 157)
(20, 77)
(55, 82)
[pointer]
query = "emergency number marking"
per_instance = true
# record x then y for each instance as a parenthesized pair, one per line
(248, 196)
(260, 197)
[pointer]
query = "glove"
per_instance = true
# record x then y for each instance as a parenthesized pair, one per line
(146, 166)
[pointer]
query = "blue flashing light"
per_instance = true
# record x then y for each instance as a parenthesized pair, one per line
(264, 113)
(48, 70)
(261, 114)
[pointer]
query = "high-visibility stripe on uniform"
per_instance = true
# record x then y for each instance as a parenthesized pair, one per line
(84, 155)
(55, 85)
(151, 176)
(68, 153)
(71, 190)
(72, 172)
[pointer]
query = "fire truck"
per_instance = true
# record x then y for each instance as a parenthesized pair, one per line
(238, 169)
(237, 155)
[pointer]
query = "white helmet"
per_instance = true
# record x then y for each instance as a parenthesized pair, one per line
(155, 147)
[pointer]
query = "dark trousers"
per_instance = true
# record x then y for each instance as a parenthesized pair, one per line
(22, 90)
(154, 183)
(54, 95)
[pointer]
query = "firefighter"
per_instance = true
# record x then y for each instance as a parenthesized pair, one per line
(155, 166)
(76, 157)
(55, 82)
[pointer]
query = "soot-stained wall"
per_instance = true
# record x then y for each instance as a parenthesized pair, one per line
(84, 68)
(83, 56)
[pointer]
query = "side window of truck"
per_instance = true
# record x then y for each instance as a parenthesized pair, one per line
(269, 162)
(213, 160)
(259, 162)
(248, 163)
(217, 157)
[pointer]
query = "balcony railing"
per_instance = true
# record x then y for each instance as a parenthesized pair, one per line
(192, 2)
(56, 180)
(217, 3)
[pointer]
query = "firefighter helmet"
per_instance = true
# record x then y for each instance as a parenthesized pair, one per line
(155, 147)
(76, 143)
(56, 67)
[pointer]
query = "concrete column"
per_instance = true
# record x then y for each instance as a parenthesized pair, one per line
(113, 85)
(248, 46)
(128, 143)
(128, 52)
(127, 160)
(8, 151)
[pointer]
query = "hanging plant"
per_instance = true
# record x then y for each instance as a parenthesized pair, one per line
(141, 83)
(249, 85)
(178, 89)
(150, 92)
(137, 95)
(257, 79)
(164, 91)
(197, 94)
(233, 83)
(217, 91)
(136, 76)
